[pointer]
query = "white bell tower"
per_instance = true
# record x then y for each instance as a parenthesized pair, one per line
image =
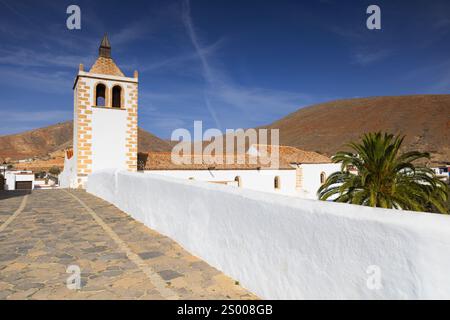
(105, 118)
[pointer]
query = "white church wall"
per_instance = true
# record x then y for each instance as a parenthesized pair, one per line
(109, 127)
(67, 177)
(260, 180)
(75, 136)
(311, 177)
(288, 248)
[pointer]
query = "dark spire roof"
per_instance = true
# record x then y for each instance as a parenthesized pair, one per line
(105, 48)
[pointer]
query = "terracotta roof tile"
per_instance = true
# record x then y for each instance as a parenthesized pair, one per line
(287, 157)
(106, 66)
(294, 155)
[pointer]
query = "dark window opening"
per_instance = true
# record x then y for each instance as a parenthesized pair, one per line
(323, 177)
(239, 181)
(276, 182)
(117, 97)
(100, 95)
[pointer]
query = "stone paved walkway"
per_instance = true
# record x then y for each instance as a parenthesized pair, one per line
(119, 258)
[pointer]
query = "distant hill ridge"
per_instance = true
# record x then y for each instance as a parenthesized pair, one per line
(43, 141)
(324, 128)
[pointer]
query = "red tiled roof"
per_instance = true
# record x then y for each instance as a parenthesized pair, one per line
(294, 155)
(106, 66)
(287, 157)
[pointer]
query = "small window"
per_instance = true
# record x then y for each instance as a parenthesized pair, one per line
(323, 178)
(100, 95)
(276, 182)
(239, 181)
(117, 97)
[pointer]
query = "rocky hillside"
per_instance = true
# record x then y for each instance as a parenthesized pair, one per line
(326, 127)
(44, 141)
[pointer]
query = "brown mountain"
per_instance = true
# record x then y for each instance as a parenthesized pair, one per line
(44, 141)
(326, 127)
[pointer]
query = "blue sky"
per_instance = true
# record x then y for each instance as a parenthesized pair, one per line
(232, 64)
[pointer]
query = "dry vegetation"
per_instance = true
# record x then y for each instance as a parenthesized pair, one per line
(325, 128)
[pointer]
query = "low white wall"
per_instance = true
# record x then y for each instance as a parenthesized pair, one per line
(287, 248)
(261, 180)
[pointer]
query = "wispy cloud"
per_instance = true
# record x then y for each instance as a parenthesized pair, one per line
(136, 30)
(366, 57)
(16, 12)
(210, 93)
(12, 121)
(23, 57)
(45, 66)
(32, 116)
(259, 103)
(222, 95)
(207, 71)
(346, 33)
(41, 81)
(178, 60)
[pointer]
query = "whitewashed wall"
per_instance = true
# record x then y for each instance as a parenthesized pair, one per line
(26, 177)
(10, 181)
(311, 177)
(260, 180)
(281, 247)
(263, 180)
(109, 130)
(67, 177)
(109, 125)
(11, 177)
(73, 162)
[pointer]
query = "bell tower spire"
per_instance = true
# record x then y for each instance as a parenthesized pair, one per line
(105, 119)
(105, 48)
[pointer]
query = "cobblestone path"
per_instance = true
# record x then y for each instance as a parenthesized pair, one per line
(47, 232)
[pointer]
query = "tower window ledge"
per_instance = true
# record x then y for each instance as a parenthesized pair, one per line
(102, 107)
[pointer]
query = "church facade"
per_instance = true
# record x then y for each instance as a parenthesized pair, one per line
(105, 120)
(105, 135)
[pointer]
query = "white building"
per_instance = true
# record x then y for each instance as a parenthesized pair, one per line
(442, 172)
(19, 180)
(299, 173)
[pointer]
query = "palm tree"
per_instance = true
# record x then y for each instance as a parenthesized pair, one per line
(385, 178)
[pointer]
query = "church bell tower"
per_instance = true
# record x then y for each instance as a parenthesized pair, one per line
(105, 118)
